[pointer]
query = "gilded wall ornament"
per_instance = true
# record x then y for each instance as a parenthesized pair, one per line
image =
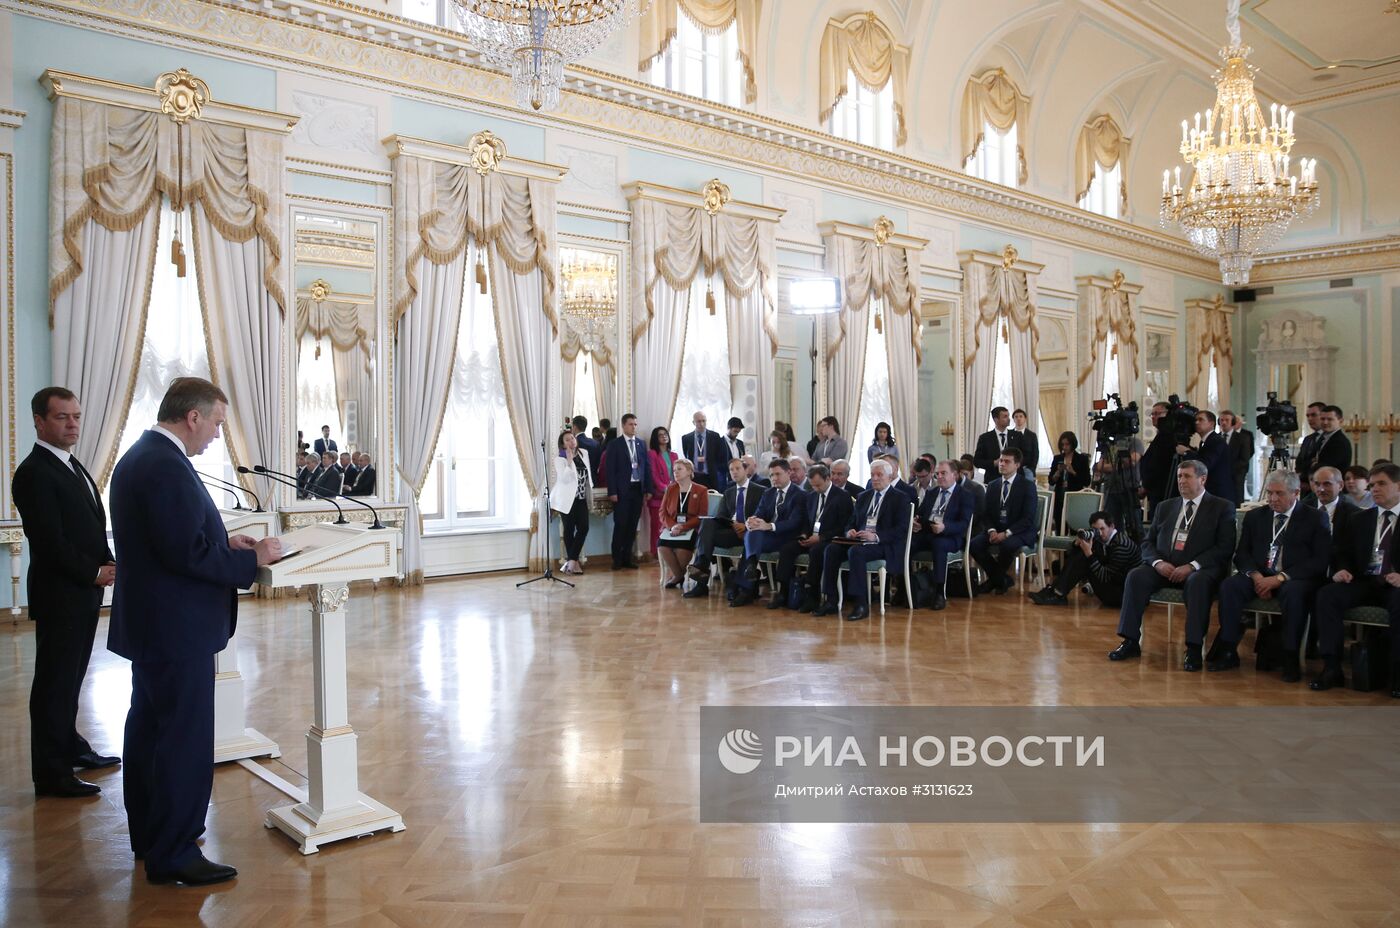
(320, 289)
(488, 151)
(1009, 256)
(715, 195)
(182, 95)
(1118, 279)
(884, 228)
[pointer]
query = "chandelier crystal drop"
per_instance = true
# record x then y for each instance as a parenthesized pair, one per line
(534, 39)
(1239, 198)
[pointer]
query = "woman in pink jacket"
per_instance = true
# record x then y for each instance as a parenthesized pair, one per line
(663, 461)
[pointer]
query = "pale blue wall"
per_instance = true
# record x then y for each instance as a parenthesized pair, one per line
(444, 124)
(673, 171)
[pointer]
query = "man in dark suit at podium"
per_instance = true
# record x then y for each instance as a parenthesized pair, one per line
(1009, 513)
(173, 611)
(1188, 548)
(879, 524)
(69, 564)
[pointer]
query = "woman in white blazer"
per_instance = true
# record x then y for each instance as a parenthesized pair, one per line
(568, 495)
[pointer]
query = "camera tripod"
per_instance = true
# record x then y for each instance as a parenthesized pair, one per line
(548, 521)
(1280, 458)
(1122, 501)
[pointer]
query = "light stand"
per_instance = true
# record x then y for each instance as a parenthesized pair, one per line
(548, 521)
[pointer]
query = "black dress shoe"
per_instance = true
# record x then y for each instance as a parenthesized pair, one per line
(779, 601)
(940, 602)
(672, 584)
(701, 590)
(1330, 677)
(1291, 672)
(1217, 647)
(1193, 661)
(1049, 597)
(1126, 649)
(742, 599)
(630, 565)
(808, 607)
(858, 613)
(826, 608)
(985, 588)
(94, 761)
(1226, 659)
(200, 873)
(69, 787)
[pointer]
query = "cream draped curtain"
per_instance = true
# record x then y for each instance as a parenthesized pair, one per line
(1101, 142)
(438, 207)
(995, 297)
(864, 46)
(1104, 310)
(109, 168)
(659, 24)
(604, 371)
(890, 274)
(671, 245)
(992, 97)
(346, 327)
(1209, 338)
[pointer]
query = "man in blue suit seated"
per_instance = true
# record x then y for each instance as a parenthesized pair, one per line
(1009, 512)
(940, 524)
(878, 528)
(1283, 553)
(781, 517)
(173, 609)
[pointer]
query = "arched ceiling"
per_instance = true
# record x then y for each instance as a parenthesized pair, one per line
(1149, 64)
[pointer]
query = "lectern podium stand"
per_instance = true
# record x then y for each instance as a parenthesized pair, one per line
(326, 559)
(233, 739)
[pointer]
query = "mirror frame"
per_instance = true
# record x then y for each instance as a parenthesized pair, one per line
(621, 250)
(386, 489)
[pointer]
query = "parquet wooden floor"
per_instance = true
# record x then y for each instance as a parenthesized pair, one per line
(541, 745)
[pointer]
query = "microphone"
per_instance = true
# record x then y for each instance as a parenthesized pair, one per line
(271, 476)
(258, 468)
(237, 503)
(234, 486)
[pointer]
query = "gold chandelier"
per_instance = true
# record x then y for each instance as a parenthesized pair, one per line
(590, 284)
(1240, 198)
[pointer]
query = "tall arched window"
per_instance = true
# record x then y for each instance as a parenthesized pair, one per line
(862, 79)
(993, 126)
(1098, 167)
(703, 48)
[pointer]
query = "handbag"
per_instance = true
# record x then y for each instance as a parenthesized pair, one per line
(1369, 659)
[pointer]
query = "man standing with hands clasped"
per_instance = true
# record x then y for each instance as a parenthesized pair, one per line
(173, 611)
(69, 564)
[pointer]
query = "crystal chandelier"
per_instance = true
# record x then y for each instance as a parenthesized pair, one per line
(1240, 198)
(533, 39)
(589, 294)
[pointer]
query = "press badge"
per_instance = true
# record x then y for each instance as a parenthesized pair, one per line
(1272, 558)
(1180, 543)
(1005, 517)
(817, 527)
(1374, 568)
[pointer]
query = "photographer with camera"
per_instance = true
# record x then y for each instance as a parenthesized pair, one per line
(1101, 555)
(1210, 449)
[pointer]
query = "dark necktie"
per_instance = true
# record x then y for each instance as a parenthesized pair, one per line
(942, 503)
(1190, 514)
(83, 476)
(1387, 562)
(1005, 492)
(739, 506)
(1326, 519)
(779, 506)
(1001, 440)
(821, 504)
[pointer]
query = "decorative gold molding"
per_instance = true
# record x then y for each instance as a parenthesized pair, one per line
(183, 98)
(1009, 254)
(1118, 283)
(884, 226)
(872, 233)
(182, 95)
(974, 256)
(319, 290)
(488, 151)
(645, 190)
(335, 255)
(714, 195)
(478, 147)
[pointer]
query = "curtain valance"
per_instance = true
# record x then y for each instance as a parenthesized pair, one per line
(869, 270)
(1109, 310)
(993, 98)
(1001, 292)
(864, 46)
(346, 325)
(1101, 142)
(111, 164)
(1208, 335)
(660, 21)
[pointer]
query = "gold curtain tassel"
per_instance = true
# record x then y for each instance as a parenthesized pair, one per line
(481, 275)
(879, 323)
(710, 299)
(1114, 352)
(1005, 333)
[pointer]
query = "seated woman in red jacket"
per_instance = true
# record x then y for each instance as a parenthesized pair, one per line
(681, 508)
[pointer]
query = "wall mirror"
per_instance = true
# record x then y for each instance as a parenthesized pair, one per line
(339, 351)
(1159, 344)
(592, 273)
(1058, 386)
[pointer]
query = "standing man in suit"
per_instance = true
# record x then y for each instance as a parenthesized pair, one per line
(1307, 450)
(1027, 441)
(707, 451)
(781, 518)
(1283, 555)
(733, 444)
(991, 444)
(1189, 548)
(364, 481)
(69, 565)
(1155, 469)
(828, 515)
(1211, 452)
(1009, 513)
(1239, 441)
(325, 442)
(1328, 498)
(1367, 561)
(1333, 448)
(629, 487)
(175, 608)
(879, 523)
(579, 424)
(941, 523)
(830, 447)
(726, 529)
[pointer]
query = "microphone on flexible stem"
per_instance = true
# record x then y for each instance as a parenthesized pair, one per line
(237, 503)
(258, 468)
(270, 476)
(234, 486)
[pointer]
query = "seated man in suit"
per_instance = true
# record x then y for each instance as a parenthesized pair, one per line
(1105, 563)
(921, 479)
(828, 515)
(1214, 454)
(1327, 496)
(968, 481)
(797, 468)
(306, 473)
(1188, 547)
(941, 523)
(900, 484)
(1367, 562)
(1009, 512)
(325, 442)
(880, 524)
(751, 469)
(349, 469)
(329, 479)
(781, 517)
(1283, 554)
(992, 443)
(364, 480)
(841, 479)
(726, 529)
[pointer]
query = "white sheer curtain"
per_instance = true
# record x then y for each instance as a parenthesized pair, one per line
(998, 300)
(316, 395)
(705, 383)
(875, 406)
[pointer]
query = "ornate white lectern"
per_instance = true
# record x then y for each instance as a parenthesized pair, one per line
(327, 558)
(233, 740)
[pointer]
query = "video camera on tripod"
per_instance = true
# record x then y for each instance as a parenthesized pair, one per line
(1179, 421)
(1115, 427)
(1278, 419)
